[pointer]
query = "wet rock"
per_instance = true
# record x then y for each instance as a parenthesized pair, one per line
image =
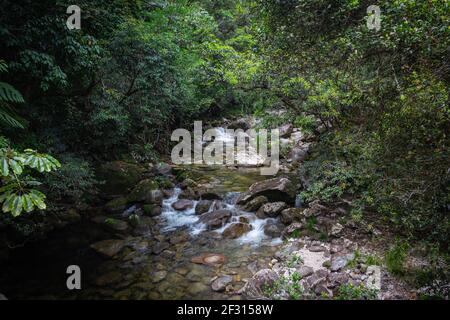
(147, 191)
(209, 259)
(188, 193)
(152, 210)
(236, 230)
(263, 279)
(183, 204)
(203, 206)
(108, 248)
(215, 219)
(339, 262)
(239, 124)
(290, 215)
(109, 278)
(158, 276)
(117, 205)
(276, 189)
(336, 229)
(119, 176)
(221, 283)
(188, 183)
(244, 219)
(116, 224)
(159, 247)
(272, 230)
(286, 130)
(197, 288)
(255, 204)
(209, 195)
(272, 209)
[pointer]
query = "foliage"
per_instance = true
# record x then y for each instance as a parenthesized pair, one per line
(18, 193)
(351, 292)
(395, 258)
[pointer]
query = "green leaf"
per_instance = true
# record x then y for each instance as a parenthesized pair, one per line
(4, 168)
(17, 206)
(7, 205)
(27, 203)
(16, 167)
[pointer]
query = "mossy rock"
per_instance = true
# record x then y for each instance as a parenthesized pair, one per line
(117, 205)
(146, 191)
(119, 177)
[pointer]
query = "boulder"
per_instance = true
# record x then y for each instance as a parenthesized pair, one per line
(209, 195)
(262, 280)
(339, 262)
(276, 189)
(108, 248)
(236, 230)
(203, 206)
(163, 168)
(297, 154)
(152, 210)
(336, 229)
(271, 209)
(146, 191)
(117, 205)
(116, 224)
(221, 283)
(119, 176)
(215, 219)
(182, 205)
(289, 230)
(290, 215)
(240, 124)
(189, 193)
(255, 204)
(315, 209)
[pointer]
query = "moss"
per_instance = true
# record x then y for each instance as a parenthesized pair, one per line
(119, 177)
(141, 191)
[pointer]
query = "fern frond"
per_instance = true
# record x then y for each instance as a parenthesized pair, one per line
(3, 66)
(9, 94)
(10, 119)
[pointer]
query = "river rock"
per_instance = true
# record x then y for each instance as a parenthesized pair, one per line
(152, 210)
(242, 123)
(203, 206)
(272, 230)
(215, 219)
(159, 247)
(116, 224)
(188, 193)
(255, 204)
(209, 259)
(290, 215)
(147, 192)
(108, 278)
(271, 209)
(276, 189)
(119, 176)
(263, 279)
(158, 276)
(209, 195)
(108, 248)
(236, 230)
(117, 205)
(221, 283)
(183, 204)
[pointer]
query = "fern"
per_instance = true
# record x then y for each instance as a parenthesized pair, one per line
(8, 94)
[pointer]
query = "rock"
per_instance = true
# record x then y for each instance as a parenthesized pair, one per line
(276, 189)
(239, 124)
(158, 276)
(290, 215)
(209, 195)
(215, 219)
(221, 283)
(271, 209)
(319, 277)
(336, 229)
(188, 183)
(272, 230)
(109, 278)
(316, 248)
(159, 247)
(256, 286)
(305, 271)
(315, 209)
(339, 262)
(197, 288)
(337, 279)
(117, 205)
(236, 230)
(152, 210)
(244, 219)
(119, 176)
(108, 248)
(183, 204)
(71, 216)
(188, 193)
(255, 204)
(287, 232)
(297, 154)
(210, 259)
(163, 168)
(116, 224)
(286, 130)
(203, 206)
(374, 278)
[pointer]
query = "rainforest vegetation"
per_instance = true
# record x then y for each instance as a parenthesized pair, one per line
(376, 103)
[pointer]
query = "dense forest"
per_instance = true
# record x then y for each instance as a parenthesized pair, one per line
(372, 104)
